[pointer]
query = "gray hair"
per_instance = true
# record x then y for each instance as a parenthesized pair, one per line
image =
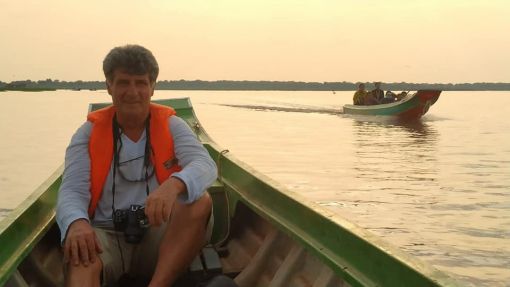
(132, 59)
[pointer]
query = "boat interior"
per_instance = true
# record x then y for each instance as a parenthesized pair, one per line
(252, 253)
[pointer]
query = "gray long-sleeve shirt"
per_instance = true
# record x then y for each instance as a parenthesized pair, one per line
(198, 173)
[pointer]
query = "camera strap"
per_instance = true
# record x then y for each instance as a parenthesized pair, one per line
(117, 147)
(147, 152)
(116, 151)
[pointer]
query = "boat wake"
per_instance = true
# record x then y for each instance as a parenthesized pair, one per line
(4, 212)
(287, 109)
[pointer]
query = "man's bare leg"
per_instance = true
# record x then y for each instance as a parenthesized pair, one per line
(84, 276)
(182, 241)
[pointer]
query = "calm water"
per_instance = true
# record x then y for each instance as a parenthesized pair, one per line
(438, 189)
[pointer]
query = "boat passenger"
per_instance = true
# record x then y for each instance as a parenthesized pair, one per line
(401, 95)
(131, 163)
(359, 95)
(378, 93)
(389, 97)
(369, 99)
(389, 94)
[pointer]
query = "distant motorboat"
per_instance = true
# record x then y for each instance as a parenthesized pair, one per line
(412, 106)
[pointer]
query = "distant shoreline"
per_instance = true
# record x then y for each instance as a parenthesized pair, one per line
(48, 85)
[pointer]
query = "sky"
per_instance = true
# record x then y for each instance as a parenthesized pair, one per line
(434, 41)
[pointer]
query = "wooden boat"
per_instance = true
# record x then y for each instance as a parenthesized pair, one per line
(412, 106)
(264, 235)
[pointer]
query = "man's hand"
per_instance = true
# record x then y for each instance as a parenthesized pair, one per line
(81, 244)
(160, 202)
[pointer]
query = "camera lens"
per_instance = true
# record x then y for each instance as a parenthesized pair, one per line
(133, 239)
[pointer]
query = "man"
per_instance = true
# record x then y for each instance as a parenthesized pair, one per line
(377, 92)
(359, 95)
(128, 155)
(389, 97)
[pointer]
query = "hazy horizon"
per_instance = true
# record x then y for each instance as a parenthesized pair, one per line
(339, 81)
(310, 41)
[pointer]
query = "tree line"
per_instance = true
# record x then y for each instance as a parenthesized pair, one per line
(50, 84)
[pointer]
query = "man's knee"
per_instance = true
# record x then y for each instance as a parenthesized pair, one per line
(82, 273)
(204, 204)
(198, 210)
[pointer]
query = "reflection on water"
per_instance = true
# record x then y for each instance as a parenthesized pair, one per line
(388, 149)
(399, 175)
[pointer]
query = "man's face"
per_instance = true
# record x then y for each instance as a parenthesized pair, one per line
(131, 94)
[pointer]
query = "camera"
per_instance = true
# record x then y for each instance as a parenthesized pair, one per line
(132, 222)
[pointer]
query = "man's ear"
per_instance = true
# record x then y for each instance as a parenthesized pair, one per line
(108, 87)
(153, 88)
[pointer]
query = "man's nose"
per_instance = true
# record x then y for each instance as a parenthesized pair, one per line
(131, 89)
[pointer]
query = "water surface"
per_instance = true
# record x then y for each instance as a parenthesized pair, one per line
(438, 188)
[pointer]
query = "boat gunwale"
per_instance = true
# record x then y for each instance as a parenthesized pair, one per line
(382, 106)
(434, 276)
(15, 225)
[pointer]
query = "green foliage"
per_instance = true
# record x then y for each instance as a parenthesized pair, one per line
(50, 84)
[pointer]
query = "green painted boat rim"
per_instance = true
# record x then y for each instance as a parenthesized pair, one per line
(20, 230)
(291, 225)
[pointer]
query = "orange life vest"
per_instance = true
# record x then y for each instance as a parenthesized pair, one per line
(101, 148)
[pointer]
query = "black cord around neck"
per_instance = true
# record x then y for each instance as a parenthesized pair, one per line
(147, 152)
(117, 147)
(116, 159)
(116, 151)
